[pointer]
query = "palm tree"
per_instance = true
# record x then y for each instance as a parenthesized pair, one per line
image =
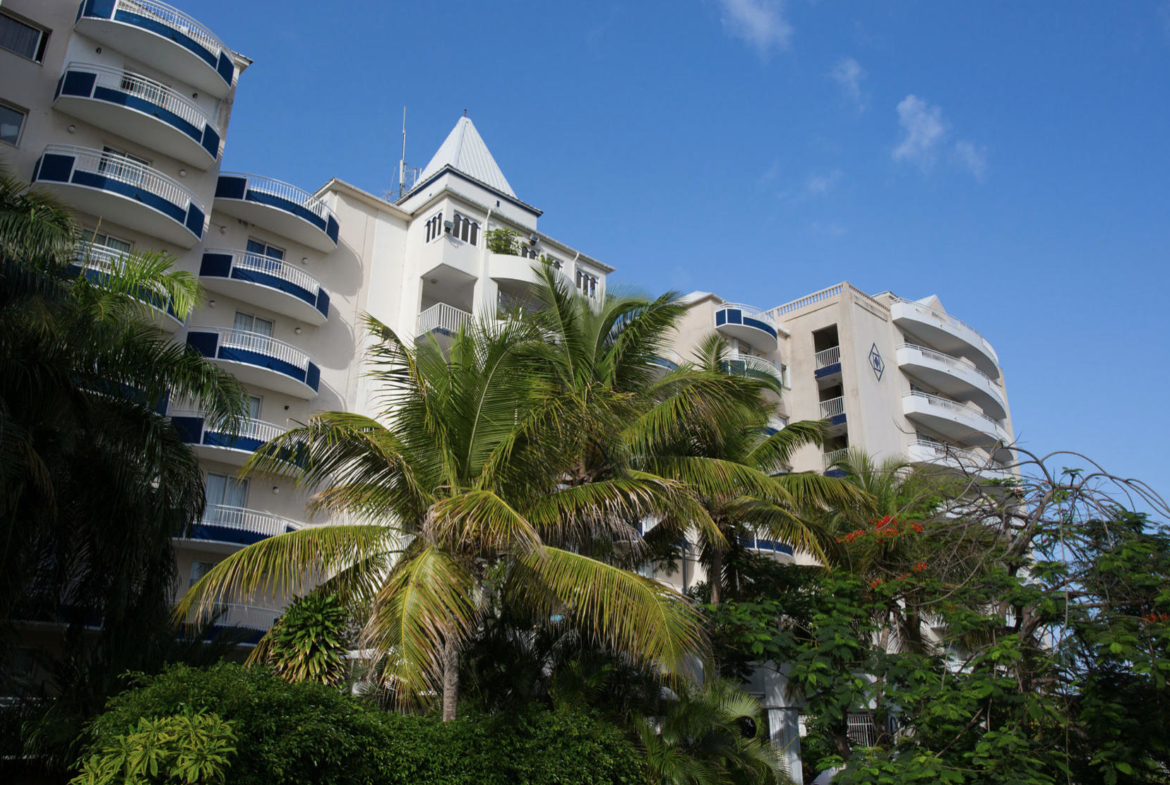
(459, 491)
(708, 735)
(94, 481)
(710, 430)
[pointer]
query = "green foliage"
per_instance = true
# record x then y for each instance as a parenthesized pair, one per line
(502, 241)
(298, 733)
(187, 748)
(308, 642)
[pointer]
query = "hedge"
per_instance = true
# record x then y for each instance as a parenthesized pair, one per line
(301, 733)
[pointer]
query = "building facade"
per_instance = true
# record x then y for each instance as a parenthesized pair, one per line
(120, 109)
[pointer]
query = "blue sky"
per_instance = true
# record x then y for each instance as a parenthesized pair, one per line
(1010, 157)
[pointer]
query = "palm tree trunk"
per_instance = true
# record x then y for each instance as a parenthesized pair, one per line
(450, 681)
(715, 577)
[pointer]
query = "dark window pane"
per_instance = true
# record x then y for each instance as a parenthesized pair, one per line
(20, 38)
(10, 123)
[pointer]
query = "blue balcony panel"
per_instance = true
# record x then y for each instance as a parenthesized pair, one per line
(257, 359)
(272, 284)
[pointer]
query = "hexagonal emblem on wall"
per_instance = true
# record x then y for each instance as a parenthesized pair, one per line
(876, 362)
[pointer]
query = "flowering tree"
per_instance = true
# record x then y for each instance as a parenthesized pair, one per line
(979, 630)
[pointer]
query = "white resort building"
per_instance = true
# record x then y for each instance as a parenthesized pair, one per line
(120, 108)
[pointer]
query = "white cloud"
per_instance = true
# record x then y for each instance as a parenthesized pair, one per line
(760, 23)
(848, 74)
(973, 158)
(821, 184)
(827, 228)
(771, 173)
(923, 130)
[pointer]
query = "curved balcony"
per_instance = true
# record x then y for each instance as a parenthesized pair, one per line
(954, 420)
(140, 109)
(239, 525)
(765, 546)
(272, 284)
(97, 262)
(214, 443)
(748, 364)
(957, 378)
(123, 192)
(163, 37)
(259, 359)
(948, 334)
(747, 323)
(278, 207)
(965, 461)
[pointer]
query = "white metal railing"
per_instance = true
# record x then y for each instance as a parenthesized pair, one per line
(121, 168)
(758, 364)
(750, 310)
(442, 317)
(148, 90)
(231, 338)
(965, 458)
(172, 18)
(832, 456)
(955, 406)
(830, 356)
(927, 310)
(98, 257)
(243, 519)
(248, 428)
(277, 268)
(948, 360)
(250, 617)
(286, 191)
(834, 407)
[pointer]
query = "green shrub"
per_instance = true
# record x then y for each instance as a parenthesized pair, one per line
(190, 748)
(305, 732)
(307, 643)
(502, 241)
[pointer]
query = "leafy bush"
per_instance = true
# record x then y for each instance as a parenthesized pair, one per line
(502, 241)
(308, 642)
(306, 732)
(191, 748)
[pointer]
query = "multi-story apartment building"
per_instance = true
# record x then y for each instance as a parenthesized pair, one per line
(120, 109)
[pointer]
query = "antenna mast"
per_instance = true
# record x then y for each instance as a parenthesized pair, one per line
(402, 160)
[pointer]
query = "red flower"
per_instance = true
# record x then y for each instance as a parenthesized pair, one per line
(918, 527)
(920, 566)
(875, 583)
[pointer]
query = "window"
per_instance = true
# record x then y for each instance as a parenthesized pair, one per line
(254, 402)
(11, 122)
(264, 256)
(198, 570)
(528, 252)
(253, 324)
(465, 229)
(22, 38)
(434, 226)
(121, 166)
(113, 243)
(586, 283)
(226, 499)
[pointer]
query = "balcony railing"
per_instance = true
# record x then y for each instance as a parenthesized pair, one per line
(833, 456)
(444, 318)
(245, 520)
(759, 365)
(831, 356)
(118, 167)
(148, 90)
(949, 361)
(172, 18)
(834, 407)
(286, 193)
(249, 617)
(98, 257)
(968, 459)
(250, 429)
(750, 310)
(258, 343)
(956, 407)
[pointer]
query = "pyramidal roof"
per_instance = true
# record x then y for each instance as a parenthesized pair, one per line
(464, 149)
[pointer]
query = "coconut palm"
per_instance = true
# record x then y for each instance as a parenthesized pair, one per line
(708, 735)
(94, 481)
(710, 431)
(455, 492)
